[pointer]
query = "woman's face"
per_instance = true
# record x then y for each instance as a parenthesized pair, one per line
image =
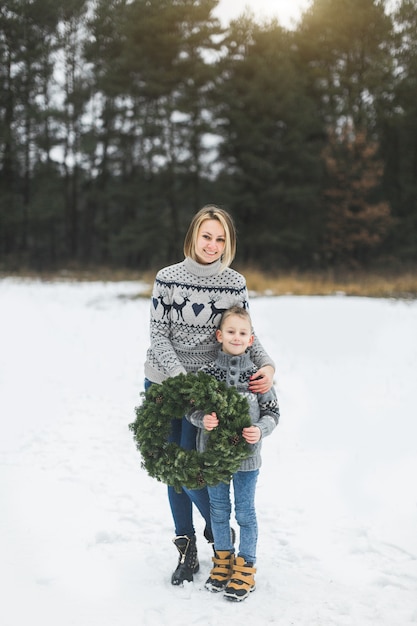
(211, 241)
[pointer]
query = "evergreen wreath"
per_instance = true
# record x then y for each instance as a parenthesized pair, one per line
(174, 398)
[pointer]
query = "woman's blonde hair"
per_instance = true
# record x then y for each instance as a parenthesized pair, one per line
(212, 212)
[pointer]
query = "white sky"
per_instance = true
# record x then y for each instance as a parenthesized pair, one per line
(287, 11)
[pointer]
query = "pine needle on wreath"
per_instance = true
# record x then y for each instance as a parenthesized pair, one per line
(173, 399)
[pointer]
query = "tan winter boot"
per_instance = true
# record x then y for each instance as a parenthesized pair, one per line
(220, 572)
(242, 581)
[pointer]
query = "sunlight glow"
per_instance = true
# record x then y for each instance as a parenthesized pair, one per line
(287, 12)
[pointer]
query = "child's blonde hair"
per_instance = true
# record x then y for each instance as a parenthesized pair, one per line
(212, 212)
(235, 310)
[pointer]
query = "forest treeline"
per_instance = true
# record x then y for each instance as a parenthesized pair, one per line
(120, 118)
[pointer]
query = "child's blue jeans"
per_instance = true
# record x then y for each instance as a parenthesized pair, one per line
(244, 486)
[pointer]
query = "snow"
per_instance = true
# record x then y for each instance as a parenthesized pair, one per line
(85, 534)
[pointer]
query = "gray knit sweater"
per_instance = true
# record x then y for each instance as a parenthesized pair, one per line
(263, 408)
(187, 301)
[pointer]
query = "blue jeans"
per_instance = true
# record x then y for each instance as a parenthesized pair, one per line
(183, 433)
(244, 486)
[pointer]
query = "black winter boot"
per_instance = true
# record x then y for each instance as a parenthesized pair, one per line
(208, 534)
(187, 561)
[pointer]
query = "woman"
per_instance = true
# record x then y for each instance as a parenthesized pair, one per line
(187, 301)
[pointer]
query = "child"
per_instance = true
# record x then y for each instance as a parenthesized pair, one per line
(233, 365)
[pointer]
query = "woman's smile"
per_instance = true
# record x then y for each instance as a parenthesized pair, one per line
(211, 241)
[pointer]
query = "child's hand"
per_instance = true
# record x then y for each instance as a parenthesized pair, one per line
(210, 421)
(251, 434)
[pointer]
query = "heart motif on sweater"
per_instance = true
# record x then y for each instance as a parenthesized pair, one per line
(197, 308)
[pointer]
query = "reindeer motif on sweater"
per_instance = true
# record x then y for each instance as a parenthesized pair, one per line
(187, 301)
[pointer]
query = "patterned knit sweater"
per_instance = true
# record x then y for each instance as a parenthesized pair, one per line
(263, 408)
(187, 301)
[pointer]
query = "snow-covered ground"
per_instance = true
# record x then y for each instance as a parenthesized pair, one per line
(85, 534)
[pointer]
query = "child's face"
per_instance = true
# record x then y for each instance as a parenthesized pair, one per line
(235, 335)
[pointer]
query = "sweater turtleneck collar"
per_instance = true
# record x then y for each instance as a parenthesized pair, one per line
(242, 361)
(202, 270)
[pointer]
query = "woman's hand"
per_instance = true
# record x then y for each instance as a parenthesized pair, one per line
(210, 421)
(251, 434)
(262, 380)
